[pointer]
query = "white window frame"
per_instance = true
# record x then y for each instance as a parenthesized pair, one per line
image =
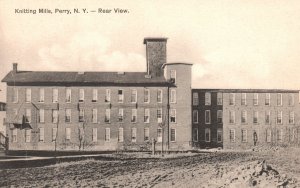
(159, 115)
(107, 95)
(95, 115)
(107, 135)
(255, 99)
(207, 113)
(207, 98)
(27, 135)
(291, 117)
(244, 99)
(207, 130)
(159, 135)
(41, 115)
(219, 98)
(95, 95)
(68, 113)
(220, 132)
(173, 114)
(268, 135)
(231, 99)
(268, 99)
(195, 134)
(81, 117)
(15, 135)
(232, 136)
(54, 95)
(146, 114)
(121, 115)
(173, 75)
(244, 135)
(27, 95)
(54, 133)
(68, 133)
(159, 95)
(133, 96)
(171, 136)
(120, 134)
(94, 134)
(255, 116)
(81, 95)
(28, 115)
(244, 113)
(133, 134)
(267, 113)
(173, 96)
(107, 115)
(279, 99)
(146, 95)
(195, 98)
(54, 116)
(68, 95)
(280, 135)
(120, 96)
(41, 95)
(195, 116)
(146, 134)
(232, 113)
(133, 115)
(41, 134)
(220, 116)
(279, 117)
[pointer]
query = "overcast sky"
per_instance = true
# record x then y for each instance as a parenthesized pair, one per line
(232, 44)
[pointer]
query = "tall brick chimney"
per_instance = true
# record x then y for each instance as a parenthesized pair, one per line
(15, 67)
(156, 54)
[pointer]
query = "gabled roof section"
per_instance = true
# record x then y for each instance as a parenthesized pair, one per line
(84, 78)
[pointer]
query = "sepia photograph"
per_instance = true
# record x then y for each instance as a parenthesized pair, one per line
(133, 93)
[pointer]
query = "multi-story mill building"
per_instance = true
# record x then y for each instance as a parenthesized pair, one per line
(131, 110)
(243, 118)
(102, 110)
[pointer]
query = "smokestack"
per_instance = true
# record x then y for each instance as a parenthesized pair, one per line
(156, 54)
(15, 67)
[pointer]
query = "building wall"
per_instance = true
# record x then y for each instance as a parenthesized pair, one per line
(88, 105)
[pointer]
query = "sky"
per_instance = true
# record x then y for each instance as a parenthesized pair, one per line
(232, 44)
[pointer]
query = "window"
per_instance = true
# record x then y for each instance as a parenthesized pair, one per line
(207, 98)
(54, 116)
(42, 135)
(207, 116)
(255, 99)
(279, 99)
(294, 135)
(81, 115)
(120, 96)
(94, 137)
(244, 135)
(133, 115)
(94, 115)
(146, 95)
(107, 95)
(207, 135)
(291, 99)
(146, 115)
(267, 117)
(42, 116)
(195, 116)
(244, 99)
(173, 115)
(279, 117)
(121, 115)
(146, 134)
(42, 95)
(54, 134)
(232, 135)
(280, 135)
(195, 99)
(55, 95)
(68, 95)
(291, 118)
(268, 99)
(133, 96)
(173, 96)
(107, 134)
(14, 135)
(219, 135)
(95, 95)
(255, 117)
(173, 135)
(159, 96)
(244, 116)
(231, 117)
(255, 136)
(269, 135)
(68, 116)
(28, 95)
(27, 135)
(15, 95)
(173, 76)
(159, 135)
(195, 134)
(68, 133)
(107, 116)
(159, 115)
(219, 98)
(120, 135)
(231, 98)
(133, 135)
(81, 95)
(220, 116)
(27, 115)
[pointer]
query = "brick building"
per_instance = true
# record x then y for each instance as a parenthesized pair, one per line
(101, 110)
(243, 118)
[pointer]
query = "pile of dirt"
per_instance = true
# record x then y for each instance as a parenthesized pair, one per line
(256, 174)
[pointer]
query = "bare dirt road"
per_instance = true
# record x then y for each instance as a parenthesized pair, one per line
(220, 169)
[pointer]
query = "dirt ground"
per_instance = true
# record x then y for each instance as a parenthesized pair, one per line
(217, 169)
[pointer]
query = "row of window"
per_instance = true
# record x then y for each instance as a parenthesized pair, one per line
(232, 100)
(244, 119)
(207, 135)
(269, 134)
(94, 118)
(95, 136)
(68, 97)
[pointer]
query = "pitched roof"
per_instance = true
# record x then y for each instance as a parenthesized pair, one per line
(42, 77)
(247, 90)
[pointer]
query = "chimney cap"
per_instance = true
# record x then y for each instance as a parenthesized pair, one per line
(155, 39)
(15, 67)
